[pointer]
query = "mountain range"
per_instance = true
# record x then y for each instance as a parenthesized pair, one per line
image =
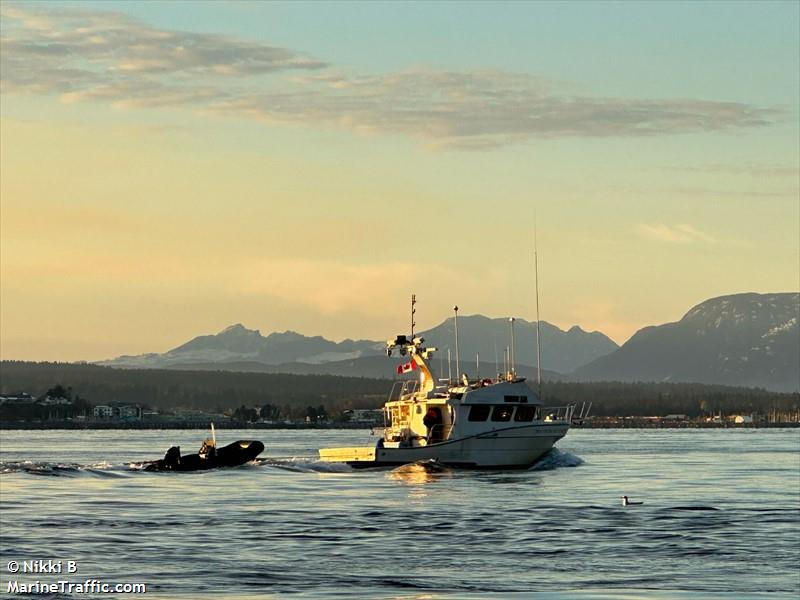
(240, 348)
(741, 339)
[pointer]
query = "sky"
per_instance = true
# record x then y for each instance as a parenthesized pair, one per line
(168, 169)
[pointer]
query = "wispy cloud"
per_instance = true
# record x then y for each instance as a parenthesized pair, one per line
(112, 58)
(751, 169)
(482, 109)
(676, 234)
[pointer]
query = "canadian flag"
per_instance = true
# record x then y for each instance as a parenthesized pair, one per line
(406, 368)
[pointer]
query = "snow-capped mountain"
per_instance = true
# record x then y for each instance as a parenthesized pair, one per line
(743, 339)
(237, 344)
(239, 348)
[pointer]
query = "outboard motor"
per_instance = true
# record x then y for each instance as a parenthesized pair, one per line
(173, 457)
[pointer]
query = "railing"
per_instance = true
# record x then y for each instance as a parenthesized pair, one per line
(583, 414)
(550, 414)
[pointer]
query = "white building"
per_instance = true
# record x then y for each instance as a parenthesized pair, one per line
(103, 411)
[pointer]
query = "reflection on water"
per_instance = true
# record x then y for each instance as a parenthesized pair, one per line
(420, 473)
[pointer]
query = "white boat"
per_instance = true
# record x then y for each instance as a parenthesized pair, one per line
(480, 423)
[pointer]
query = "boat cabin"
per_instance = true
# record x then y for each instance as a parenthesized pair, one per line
(419, 419)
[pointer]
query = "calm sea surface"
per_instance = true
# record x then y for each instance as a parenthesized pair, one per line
(721, 518)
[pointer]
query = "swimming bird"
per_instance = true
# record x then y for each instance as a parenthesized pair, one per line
(626, 502)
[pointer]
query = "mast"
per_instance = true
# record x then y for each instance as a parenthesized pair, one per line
(478, 366)
(458, 363)
(538, 330)
(413, 310)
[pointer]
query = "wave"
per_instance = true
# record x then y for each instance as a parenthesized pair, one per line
(59, 469)
(556, 459)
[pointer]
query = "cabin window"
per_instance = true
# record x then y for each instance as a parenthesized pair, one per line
(502, 413)
(519, 399)
(525, 414)
(478, 412)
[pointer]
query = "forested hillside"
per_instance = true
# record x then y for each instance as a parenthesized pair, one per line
(221, 390)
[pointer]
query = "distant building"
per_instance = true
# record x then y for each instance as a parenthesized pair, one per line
(367, 416)
(21, 398)
(743, 419)
(122, 412)
(103, 411)
(129, 411)
(54, 401)
(675, 418)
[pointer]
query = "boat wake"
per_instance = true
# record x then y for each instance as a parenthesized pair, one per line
(305, 465)
(54, 469)
(556, 459)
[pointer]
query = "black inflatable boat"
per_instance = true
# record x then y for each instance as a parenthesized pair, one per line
(209, 457)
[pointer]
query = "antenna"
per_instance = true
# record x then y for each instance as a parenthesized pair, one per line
(513, 350)
(458, 362)
(496, 365)
(449, 368)
(413, 310)
(538, 329)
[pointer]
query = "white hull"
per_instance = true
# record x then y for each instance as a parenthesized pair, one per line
(516, 447)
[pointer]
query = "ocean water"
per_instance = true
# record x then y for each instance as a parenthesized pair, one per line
(720, 518)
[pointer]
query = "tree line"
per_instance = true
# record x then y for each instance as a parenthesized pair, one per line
(300, 396)
(217, 391)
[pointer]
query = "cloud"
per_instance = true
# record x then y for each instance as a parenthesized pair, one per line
(482, 109)
(738, 193)
(676, 234)
(112, 58)
(769, 170)
(80, 51)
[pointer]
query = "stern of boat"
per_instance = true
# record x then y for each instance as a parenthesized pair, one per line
(347, 455)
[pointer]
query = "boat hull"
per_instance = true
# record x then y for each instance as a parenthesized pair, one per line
(232, 455)
(517, 447)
